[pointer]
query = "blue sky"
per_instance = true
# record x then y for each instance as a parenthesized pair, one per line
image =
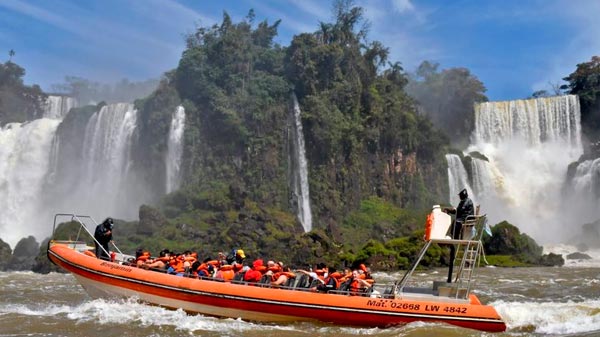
(513, 47)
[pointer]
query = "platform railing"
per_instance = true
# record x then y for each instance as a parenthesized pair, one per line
(82, 227)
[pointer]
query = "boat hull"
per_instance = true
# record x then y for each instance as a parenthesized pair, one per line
(106, 279)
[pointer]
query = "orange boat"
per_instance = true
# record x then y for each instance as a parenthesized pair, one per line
(382, 306)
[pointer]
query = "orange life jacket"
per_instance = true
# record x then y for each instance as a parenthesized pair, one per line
(227, 272)
(276, 276)
(89, 253)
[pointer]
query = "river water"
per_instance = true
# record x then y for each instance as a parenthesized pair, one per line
(557, 301)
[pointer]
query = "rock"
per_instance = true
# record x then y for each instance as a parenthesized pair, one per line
(551, 260)
(5, 255)
(151, 220)
(23, 257)
(578, 256)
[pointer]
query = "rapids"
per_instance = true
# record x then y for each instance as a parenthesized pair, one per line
(533, 302)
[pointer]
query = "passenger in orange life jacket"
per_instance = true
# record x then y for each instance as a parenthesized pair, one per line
(236, 259)
(141, 257)
(331, 282)
(359, 284)
(282, 277)
(318, 273)
(273, 268)
(204, 269)
(225, 273)
(255, 274)
(176, 265)
(160, 262)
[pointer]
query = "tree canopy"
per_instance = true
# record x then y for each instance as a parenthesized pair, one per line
(18, 102)
(585, 82)
(448, 97)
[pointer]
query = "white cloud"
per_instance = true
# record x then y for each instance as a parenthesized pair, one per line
(295, 23)
(40, 14)
(317, 9)
(402, 6)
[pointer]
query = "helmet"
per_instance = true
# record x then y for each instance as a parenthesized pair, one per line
(108, 223)
(463, 194)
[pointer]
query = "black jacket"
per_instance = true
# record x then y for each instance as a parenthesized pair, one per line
(464, 209)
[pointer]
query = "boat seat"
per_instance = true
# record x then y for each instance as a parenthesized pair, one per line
(345, 286)
(314, 283)
(302, 282)
(239, 276)
(265, 280)
(290, 282)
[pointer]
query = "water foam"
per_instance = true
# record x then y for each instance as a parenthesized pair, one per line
(551, 317)
(565, 249)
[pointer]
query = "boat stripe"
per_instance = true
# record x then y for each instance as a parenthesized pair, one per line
(255, 300)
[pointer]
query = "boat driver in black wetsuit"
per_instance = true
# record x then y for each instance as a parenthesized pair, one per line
(463, 210)
(103, 236)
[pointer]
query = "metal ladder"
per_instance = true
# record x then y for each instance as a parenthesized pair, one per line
(468, 255)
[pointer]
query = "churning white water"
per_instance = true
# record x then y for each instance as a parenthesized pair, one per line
(24, 159)
(175, 150)
(299, 174)
(529, 145)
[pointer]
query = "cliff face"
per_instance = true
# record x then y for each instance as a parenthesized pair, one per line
(363, 136)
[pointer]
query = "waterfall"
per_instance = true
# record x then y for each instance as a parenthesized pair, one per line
(535, 121)
(529, 144)
(106, 156)
(584, 193)
(299, 168)
(457, 178)
(57, 107)
(24, 160)
(175, 150)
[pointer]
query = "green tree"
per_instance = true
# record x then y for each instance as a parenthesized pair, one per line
(448, 97)
(585, 82)
(18, 102)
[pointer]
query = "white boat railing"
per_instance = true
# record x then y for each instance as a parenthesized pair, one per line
(77, 244)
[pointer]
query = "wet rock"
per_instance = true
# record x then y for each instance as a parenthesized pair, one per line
(23, 257)
(578, 256)
(151, 220)
(5, 254)
(552, 260)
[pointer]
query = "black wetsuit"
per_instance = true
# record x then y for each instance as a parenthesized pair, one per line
(463, 210)
(103, 235)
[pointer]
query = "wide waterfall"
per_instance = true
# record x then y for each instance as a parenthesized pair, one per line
(24, 160)
(175, 150)
(299, 168)
(520, 154)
